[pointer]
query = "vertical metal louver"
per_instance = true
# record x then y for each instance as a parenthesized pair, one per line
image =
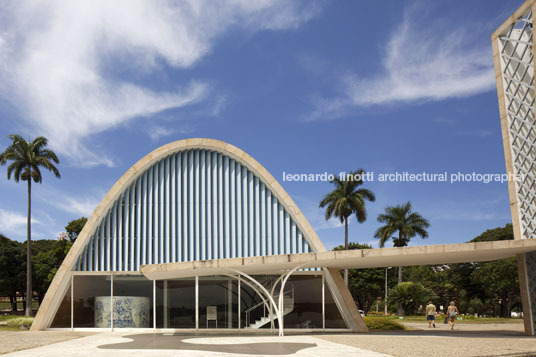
(192, 205)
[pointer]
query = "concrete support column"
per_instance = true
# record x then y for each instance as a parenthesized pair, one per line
(526, 266)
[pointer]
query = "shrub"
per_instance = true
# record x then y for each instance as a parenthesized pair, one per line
(382, 323)
(20, 321)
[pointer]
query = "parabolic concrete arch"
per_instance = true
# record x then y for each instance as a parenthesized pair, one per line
(191, 200)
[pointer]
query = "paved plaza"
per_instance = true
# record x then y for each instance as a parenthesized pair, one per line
(465, 340)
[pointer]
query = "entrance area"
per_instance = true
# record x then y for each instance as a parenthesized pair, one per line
(114, 301)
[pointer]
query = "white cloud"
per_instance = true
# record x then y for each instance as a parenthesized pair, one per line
(424, 60)
(63, 62)
(75, 204)
(82, 206)
(13, 222)
(158, 132)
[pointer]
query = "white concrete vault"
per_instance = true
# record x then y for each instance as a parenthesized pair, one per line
(118, 237)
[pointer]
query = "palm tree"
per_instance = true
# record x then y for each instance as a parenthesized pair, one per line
(411, 295)
(27, 158)
(347, 199)
(408, 224)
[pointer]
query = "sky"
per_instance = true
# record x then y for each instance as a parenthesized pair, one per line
(305, 87)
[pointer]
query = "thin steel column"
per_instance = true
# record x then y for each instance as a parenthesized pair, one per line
(72, 303)
(323, 302)
(112, 301)
(239, 304)
(197, 303)
(154, 304)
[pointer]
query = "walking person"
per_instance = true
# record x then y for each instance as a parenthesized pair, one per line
(430, 314)
(452, 312)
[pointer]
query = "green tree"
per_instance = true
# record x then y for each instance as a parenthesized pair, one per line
(48, 256)
(366, 285)
(499, 233)
(500, 282)
(27, 158)
(74, 227)
(347, 199)
(11, 269)
(411, 295)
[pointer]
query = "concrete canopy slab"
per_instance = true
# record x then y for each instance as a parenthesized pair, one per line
(352, 259)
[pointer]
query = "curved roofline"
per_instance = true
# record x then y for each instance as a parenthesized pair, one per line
(59, 283)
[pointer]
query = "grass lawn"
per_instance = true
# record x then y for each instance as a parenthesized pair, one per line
(6, 305)
(14, 322)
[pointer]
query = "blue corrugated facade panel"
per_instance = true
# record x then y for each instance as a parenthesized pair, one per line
(192, 205)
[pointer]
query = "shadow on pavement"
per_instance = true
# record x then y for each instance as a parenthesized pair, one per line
(154, 341)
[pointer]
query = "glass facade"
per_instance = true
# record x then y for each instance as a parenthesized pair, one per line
(132, 301)
(175, 303)
(222, 302)
(63, 315)
(218, 302)
(89, 301)
(305, 293)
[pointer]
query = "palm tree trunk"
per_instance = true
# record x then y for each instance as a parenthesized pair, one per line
(346, 247)
(29, 293)
(400, 311)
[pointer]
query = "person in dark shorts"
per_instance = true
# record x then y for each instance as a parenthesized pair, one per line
(430, 314)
